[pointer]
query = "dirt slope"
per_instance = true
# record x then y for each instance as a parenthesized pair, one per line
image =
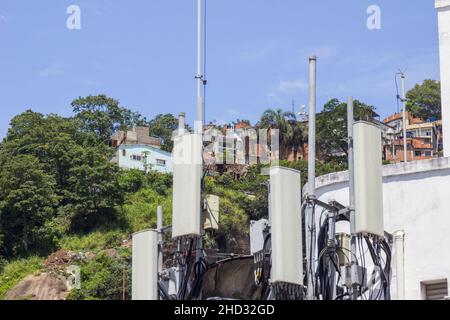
(39, 287)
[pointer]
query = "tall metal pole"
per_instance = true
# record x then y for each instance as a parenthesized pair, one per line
(309, 216)
(160, 225)
(181, 123)
(351, 170)
(312, 126)
(199, 76)
(405, 141)
(200, 114)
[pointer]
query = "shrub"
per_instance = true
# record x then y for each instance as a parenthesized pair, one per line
(102, 278)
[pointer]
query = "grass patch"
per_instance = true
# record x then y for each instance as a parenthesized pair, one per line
(94, 241)
(140, 209)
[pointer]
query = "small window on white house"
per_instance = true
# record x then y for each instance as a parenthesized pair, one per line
(161, 163)
(124, 152)
(435, 290)
(136, 158)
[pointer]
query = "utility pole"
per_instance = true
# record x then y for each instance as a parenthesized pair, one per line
(309, 216)
(351, 170)
(405, 142)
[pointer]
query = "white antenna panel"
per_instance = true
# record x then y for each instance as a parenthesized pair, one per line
(212, 212)
(286, 225)
(368, 179)
(187, 171)
(145, 266)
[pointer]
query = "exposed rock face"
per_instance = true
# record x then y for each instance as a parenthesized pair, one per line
(233, 280)
(39, 287)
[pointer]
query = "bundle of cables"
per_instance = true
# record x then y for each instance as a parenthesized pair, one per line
(375, 246)
(328, 262)
(200, 268)
(185, 262)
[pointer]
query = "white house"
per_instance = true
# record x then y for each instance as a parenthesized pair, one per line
(143, 157)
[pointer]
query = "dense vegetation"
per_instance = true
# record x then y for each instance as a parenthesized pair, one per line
(424, 100)
(60, 191)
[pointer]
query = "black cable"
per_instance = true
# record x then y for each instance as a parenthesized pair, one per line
(326, 256)
(182, 293)
(376, 260)
(200, 269)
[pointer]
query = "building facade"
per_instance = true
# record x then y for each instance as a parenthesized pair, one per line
(138, 135)
(423, 138)
(136, 149)
(143, 157)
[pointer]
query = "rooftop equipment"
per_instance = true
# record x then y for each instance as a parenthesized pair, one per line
(286, 226)
(145, 265)
(211, 212)
(187, 171)
(368, 179)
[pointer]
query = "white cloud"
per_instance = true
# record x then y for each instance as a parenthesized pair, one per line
(290, 86)
(234, 112)
(4, 17)
(287, 89)
(56, 69)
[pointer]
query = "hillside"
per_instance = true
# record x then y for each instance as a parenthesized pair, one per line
(64, 203)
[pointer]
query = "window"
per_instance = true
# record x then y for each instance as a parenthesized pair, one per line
(136, 158)
(428, 153)
(434, 290)
(418, 153)
(124, 152)
(161, 163)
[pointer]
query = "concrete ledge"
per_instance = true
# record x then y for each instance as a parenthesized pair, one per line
(440, 4)
(391, 170)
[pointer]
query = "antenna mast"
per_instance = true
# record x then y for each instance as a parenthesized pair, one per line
(200, 118)
(199, 76)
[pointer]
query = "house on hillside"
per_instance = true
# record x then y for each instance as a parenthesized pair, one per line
(136, 149)
(423, 138)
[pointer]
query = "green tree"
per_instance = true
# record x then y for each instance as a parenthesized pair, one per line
(297, 138)
(93, 190)
(86, 181)
(131, 180)
(331, 127)
(424, 100)
(163, 126)
(279, 119)
(103, 116)
(27, 203)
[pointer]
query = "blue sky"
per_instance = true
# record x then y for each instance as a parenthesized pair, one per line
(142, 52)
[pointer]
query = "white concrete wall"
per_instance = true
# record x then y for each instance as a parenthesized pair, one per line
(416, 199)
(443, 8)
